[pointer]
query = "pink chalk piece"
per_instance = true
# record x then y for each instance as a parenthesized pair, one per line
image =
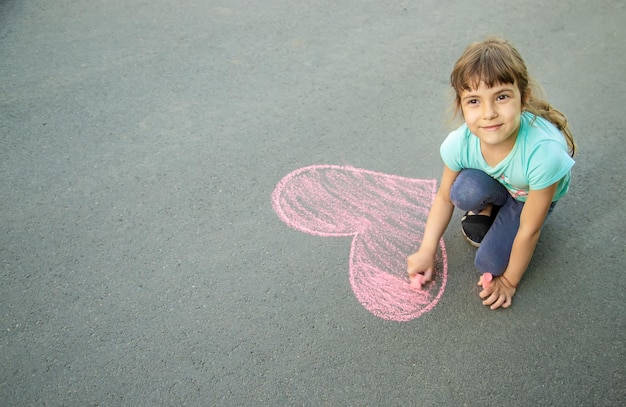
(384, 214)
(487, 278)
(417, 281)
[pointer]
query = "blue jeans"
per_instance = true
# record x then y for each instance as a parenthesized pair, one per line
(473, 190)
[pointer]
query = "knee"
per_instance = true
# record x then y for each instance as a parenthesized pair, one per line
(468, 190)
(489, 262)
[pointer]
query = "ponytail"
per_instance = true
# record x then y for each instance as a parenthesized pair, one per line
(538, 106)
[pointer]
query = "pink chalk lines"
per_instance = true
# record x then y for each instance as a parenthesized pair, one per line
(385, 214)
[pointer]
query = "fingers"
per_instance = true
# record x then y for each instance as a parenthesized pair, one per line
(497, 300)
(507, 303)
(485, 293)
(501, 300)
(489, 298)
(496, 295)
(418, 280)
(492, 299)
(422, 265)
(414, 270)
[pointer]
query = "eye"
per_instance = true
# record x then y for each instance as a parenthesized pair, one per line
(471, 101)
(503, 97)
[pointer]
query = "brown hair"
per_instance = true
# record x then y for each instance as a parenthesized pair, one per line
(496, 61)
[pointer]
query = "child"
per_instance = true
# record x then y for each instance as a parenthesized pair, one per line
(506, 166)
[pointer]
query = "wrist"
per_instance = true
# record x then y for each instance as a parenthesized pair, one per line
(510, 282)
(429, 247)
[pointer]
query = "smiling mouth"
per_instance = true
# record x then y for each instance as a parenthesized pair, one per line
(492, 128)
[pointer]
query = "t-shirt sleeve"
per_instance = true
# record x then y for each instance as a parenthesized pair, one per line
(549, 163)
(450, 150)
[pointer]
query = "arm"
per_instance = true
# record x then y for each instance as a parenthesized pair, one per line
(532, 218)
(423, 261)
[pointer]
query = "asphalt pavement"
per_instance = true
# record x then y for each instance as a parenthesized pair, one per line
(144, 257)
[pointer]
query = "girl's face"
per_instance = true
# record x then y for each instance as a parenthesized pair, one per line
(493, 114)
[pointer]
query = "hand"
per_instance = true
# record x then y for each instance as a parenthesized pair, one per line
(423, 264)
(498, 294)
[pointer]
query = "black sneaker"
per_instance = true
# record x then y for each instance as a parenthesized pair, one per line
(475, 227)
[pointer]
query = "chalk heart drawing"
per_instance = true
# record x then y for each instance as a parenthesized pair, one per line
(385, 215)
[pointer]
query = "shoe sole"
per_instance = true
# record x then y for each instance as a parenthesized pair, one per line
(470, 241)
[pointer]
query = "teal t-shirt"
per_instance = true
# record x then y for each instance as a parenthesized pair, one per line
(538, 159)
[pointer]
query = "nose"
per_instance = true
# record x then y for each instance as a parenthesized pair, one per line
(489, 111)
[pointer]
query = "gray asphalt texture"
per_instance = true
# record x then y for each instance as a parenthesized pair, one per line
(142, 263)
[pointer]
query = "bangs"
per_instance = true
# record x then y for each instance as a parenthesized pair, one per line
(491, 65)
